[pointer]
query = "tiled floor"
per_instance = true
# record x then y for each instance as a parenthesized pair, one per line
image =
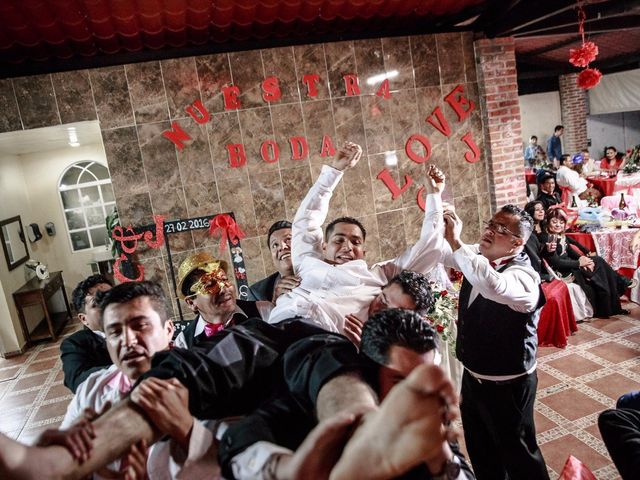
(601, 362)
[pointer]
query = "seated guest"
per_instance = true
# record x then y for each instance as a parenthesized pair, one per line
(283, 280)
(601, 284)
(533, 246)
(547, 191)
(589, 165)
(204, 285)
(85, 351)
(573, 186)
(394, 342)
(335, 279)
(613, 161)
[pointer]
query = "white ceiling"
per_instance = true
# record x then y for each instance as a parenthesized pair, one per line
(49, 138)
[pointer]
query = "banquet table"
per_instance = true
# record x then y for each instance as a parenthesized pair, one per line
(530, 177)
(604, 184)
(585, 239)
(626, 182)
(612, 245)
(557, 320)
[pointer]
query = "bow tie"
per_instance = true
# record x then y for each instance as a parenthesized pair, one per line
(211, 329)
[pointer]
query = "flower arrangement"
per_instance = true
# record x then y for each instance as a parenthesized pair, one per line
(444, 314)
(633, 160)
(583, 56)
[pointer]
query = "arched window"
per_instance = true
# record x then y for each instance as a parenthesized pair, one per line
(87, 198)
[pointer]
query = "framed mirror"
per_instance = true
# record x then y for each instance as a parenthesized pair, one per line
(13, 242)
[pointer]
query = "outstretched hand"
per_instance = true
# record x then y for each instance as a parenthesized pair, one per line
(353, 329)
(434, 181)
(348, 156)
(452, 229)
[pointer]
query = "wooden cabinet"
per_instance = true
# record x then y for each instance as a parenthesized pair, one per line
(39, 292)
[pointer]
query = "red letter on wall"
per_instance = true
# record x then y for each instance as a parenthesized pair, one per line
(388, 181)
(230, 94)
(383, 91)
(474, 155)
(237, 157)
(327, 150)
(460, 104)
(442, 125)
(271, 89)
(275, 151)
(422, 203)
(351, 85)
(412, 154)
(299, 148)
(202, 116)
(311, 80)
(176, 135)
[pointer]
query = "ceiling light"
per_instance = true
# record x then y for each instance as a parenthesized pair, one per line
(390, 159)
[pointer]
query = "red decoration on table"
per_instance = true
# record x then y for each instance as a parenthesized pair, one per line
(225, 226)
(589, 78)
(583, 56)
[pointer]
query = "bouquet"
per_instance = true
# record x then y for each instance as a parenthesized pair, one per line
(444, 314)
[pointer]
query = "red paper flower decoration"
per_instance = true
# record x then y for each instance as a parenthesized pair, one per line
(589, 78)
(583, 56)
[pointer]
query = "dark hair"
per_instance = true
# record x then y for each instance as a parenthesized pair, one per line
(611, 147)
(532, 137)
(279, 225)
(556, 213)
(396, 326)
(349, 220)
(79, 294)
(125, 292)
(416, 285)
(525, 224)
(558, 128)
(530, 208)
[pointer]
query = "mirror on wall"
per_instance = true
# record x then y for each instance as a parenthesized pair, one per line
(13, 242)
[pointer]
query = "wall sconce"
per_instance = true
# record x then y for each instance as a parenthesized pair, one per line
(50, 228)
(33, 232)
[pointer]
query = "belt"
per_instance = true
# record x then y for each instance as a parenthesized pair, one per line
(510, 381)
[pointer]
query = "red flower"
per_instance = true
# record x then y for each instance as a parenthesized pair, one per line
(439, 328)
(443, 293)
(583, 56)
(589, 78)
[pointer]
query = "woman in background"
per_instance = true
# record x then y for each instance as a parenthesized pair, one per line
(613, 161)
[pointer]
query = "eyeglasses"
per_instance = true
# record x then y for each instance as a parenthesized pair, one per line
(499, 229)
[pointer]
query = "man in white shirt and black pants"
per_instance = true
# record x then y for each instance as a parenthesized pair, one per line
(500, 304)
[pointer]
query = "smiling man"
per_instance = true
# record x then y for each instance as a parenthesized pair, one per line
(282, 280)
(204, 285)
(337, 285)
(500, 303)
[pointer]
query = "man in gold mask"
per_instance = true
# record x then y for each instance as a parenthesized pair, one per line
(204, 285)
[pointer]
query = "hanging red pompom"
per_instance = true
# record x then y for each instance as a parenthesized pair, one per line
(589, 78)
(583, 56)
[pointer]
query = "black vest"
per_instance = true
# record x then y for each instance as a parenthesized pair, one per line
(492, 338)
(249, 308)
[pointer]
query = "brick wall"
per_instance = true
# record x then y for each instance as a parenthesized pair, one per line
(498, 86)
(573, 103)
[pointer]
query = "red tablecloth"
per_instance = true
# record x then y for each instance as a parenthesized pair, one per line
(557, 320)
(605, 185)
(530, 177)
(585, 239)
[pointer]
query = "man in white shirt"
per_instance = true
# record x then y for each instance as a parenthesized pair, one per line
(500, 302)
(568, 179)
(335, 280)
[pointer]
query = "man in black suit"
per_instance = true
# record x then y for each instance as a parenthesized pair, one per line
(85, 351)
(283, 280)
(204, 285)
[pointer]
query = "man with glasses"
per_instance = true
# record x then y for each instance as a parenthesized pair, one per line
(499, 308)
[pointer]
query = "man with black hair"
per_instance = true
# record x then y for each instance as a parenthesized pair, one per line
(283, 279)
(270, 443)
(336, 283)
(499, 307)
(85, 351)
(554, 146)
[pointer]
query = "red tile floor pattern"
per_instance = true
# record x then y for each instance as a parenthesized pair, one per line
(601, 361)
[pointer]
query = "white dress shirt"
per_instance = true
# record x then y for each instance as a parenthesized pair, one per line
(565, 177)
(328, 293)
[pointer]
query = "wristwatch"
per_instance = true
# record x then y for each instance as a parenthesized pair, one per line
(450, 470)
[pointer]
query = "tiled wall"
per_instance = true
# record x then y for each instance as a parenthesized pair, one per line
(136, 103)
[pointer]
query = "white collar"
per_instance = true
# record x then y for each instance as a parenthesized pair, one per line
(202, 321)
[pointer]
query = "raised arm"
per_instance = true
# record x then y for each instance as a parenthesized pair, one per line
(307, 225)
(430, 248)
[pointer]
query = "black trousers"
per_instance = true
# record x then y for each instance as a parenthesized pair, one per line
(499, 429)
(620, 430)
